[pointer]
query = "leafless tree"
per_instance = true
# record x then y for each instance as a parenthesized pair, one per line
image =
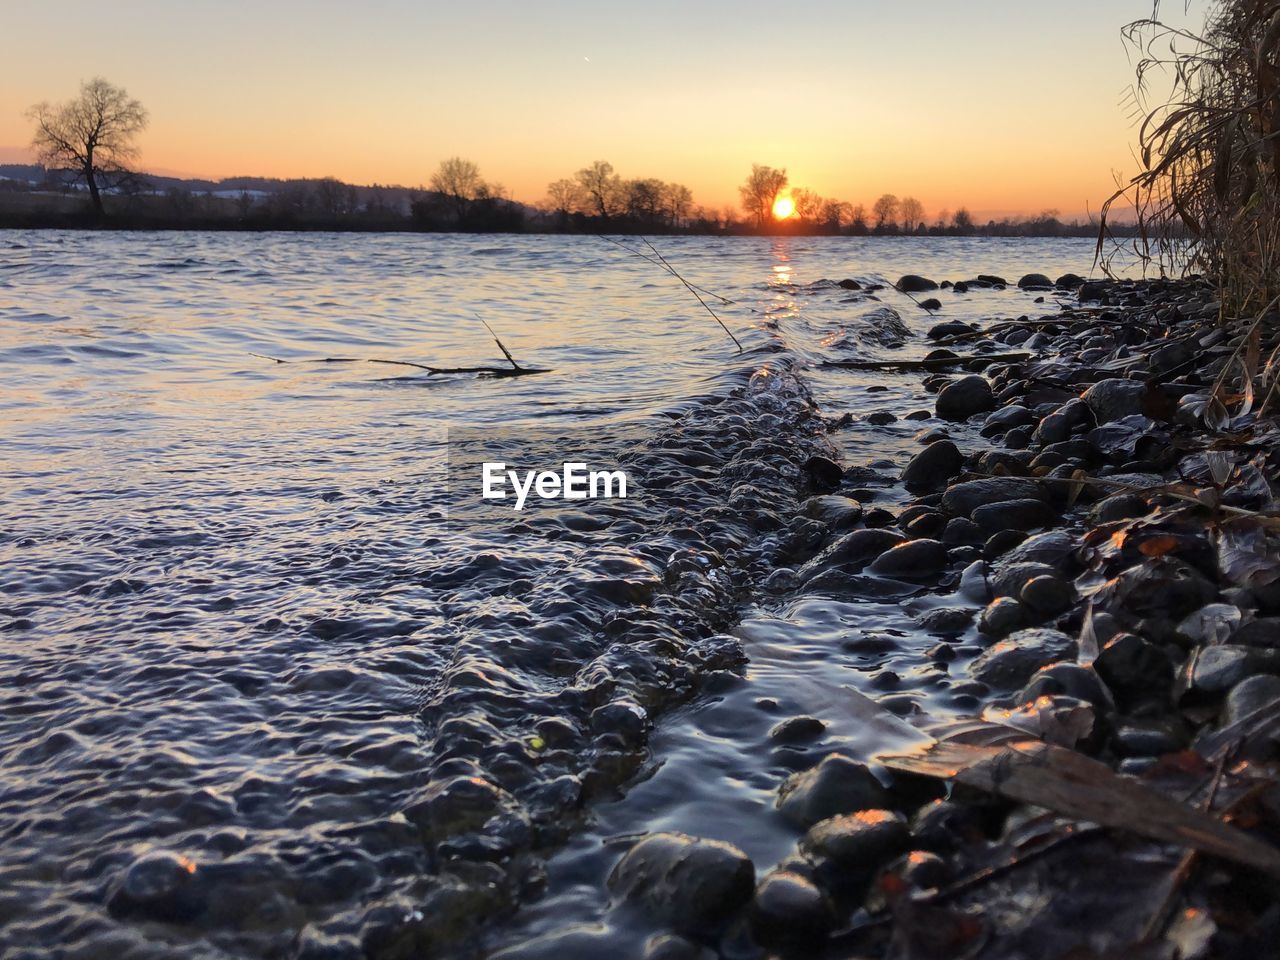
(677, 199)
(92, 135)
(761, 190)
(459, 180)
(885, 211)
(564, 196)
(602, 189)
(912, 213)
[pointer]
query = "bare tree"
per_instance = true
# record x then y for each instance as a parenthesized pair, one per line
(459, 180)
(912, 212)
(962, 221)
(677, 199)
(885, 210)
(564, 196)
(602, 189)
(92, 135)
(761, 190)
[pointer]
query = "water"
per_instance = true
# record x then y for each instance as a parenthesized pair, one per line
(249, 617)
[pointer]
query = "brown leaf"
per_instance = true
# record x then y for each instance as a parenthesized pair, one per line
(1077, 786)
(1158, 546)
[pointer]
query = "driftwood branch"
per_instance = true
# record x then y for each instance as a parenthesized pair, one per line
(514, 371)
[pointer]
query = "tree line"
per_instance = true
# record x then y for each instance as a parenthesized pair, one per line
(90, 144)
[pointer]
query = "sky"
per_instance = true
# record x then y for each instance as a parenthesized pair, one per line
(1003, 106)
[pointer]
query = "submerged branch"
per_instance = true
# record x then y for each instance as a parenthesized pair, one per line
(512, 371)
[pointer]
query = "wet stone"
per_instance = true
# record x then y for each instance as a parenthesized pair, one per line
(161, 885)
(797, 730)
(836, 512)
(1020, 515)
(692, 885)
(1263, 632)
(947, 620)
(960, 530)
(1114, 399)
(964, 398)
(933, 467)
(1250, 695)
(1049, 595)
(1003, 616)
(1010, 579)
(788, 910)
(837, 785)
(914, 283)
(859, 843)
(913, 559)
(1014, 660)
(962, 499)
(1070, 680)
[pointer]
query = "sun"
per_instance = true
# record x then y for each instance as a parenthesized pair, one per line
(783, 207)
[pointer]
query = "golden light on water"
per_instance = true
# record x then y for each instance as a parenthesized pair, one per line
(783, 207)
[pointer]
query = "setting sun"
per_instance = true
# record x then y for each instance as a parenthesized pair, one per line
(783, 207)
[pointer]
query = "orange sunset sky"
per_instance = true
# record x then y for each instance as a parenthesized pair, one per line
(1006, 106)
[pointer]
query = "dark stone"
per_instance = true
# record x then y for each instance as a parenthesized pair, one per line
(1250, 695)
(947, 620)
(1133, 669)
(933, 303)
(859, 842)
(837, 512)
(1049, 595)
(160, 885)
(1263, 632)
(823, 474)
(848, 284)
(932, 467)
(835, 786)
(959, 530)
(789, 911)
(1053, 548)
(962, 499)
(1035, 281)
(1006, 418)
(1114, 399)
(1069, 281)
(1014, 660)
(949, 328)
(797, 730)
(461, 804)
(991, 280)
(853, 550)
(961, 399)
(915, 558)
(880, 418)
(1092, 290)
(1070, 680)
(1010, 577)
(1022, 515)
(913, 283)
(1003, 616)
(999, 544)
(690, 884)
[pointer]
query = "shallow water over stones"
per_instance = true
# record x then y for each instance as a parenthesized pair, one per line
(270, 692)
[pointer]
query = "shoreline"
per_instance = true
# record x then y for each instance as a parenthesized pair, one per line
(1070, 610)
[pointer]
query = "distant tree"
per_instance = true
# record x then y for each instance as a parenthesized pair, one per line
(644, 199)
(858, 221)
(760, 192)
(962, 221)
(835, 214)
(602, 189)
(244, 203)
(334, 198)
(885, 211)
(911, 211)
(459, 181)
(93, 135)
(564, 196)
(677, 200)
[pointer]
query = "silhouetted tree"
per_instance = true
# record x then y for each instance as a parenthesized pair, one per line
(92, 135)
(459, 180)
(644, 200)
(677, 199)
(601, 188)
(858, 221)
(885, 211)
(962, 221)
(761, 190)
(911, 212)
(564, 196)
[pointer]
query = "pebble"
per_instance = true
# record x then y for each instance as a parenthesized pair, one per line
(1003, 616)
(963, 398)
(933, 467)
(789, 911)
(1014, 660)
(837, 785)
(913, 559)
(691, 884)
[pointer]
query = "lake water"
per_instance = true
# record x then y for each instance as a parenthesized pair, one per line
(265, 651)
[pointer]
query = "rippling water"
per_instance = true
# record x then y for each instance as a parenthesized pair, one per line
(271, 685)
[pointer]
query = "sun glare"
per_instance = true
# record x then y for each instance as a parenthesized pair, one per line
(783, 207)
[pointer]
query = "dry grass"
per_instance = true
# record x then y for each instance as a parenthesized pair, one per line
(1208, 196)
